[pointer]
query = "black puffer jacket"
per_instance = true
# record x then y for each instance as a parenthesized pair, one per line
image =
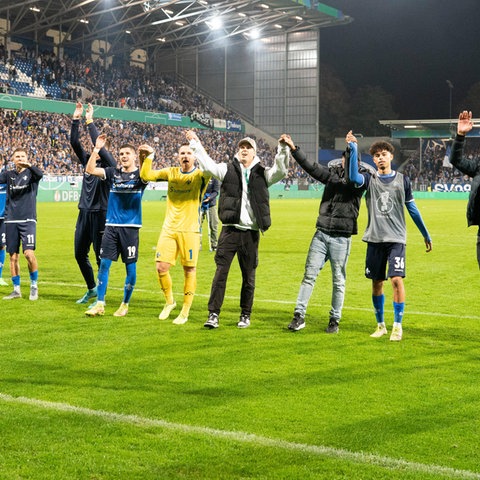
(340, 204)
(472, 169)
(230, 201)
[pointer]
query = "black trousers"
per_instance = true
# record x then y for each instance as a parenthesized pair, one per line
(243, 243)
(88, 231)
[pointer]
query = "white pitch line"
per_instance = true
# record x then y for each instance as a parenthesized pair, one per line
(284, 302)
(243, 437)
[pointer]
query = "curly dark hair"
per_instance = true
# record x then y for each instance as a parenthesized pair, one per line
(381, 145)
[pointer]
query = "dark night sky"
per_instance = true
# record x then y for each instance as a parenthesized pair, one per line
(410, 48)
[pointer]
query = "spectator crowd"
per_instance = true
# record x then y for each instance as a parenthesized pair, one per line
(433, 166)
(47, 135)
(116, 85)
(47, 138)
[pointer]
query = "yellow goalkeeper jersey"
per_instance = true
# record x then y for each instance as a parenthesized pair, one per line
(184, 197)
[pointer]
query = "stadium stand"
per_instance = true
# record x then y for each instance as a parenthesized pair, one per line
(46, 136)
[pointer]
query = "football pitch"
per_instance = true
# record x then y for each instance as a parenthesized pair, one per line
(139, 398)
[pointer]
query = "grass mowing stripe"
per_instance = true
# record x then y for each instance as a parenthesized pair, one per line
(283, 302)
(358, 457)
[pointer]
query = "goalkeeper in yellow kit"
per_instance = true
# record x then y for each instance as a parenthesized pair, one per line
(180, 235)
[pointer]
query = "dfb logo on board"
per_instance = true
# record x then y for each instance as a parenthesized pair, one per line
(66, 196)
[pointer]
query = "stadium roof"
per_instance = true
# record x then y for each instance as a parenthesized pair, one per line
(147, 24)
(433, 128)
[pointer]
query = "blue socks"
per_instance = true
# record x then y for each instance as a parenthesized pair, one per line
(398, 309)
(103, 273)
(130, 281)
(378, 305)
(2, 260)
(34, 277)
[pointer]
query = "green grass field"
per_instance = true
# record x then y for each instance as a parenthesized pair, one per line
(137, 398)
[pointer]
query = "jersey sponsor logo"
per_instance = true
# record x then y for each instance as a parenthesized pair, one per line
(172, 189)
(16, 188)
(123, 186)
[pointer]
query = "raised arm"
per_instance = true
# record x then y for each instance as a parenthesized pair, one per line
(145, 151)
(279, 169)
(37, 174)
(106, 157)
(470, 167)
(314, 169)
(91, 167)
(147, 173)
(353, 174)
(207, 164)
(75, 135)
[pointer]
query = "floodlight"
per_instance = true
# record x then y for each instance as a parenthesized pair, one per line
(215, 23)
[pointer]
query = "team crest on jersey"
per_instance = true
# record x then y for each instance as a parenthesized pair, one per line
(384, 203)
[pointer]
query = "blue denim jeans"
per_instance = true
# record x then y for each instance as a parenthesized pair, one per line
(325, 248)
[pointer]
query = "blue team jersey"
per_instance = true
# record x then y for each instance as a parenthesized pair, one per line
(125, 198)
(3, 199)
(22, 187)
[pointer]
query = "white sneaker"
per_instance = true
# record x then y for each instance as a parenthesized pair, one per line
(13, 295)
(3, 283)
(181, 319)
(33, 292)
(380, 331)
(396, 335)
(167, 310)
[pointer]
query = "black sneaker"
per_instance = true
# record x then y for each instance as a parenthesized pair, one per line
(244, 321)
(332, 326)
(212, 321)
(297, 323)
